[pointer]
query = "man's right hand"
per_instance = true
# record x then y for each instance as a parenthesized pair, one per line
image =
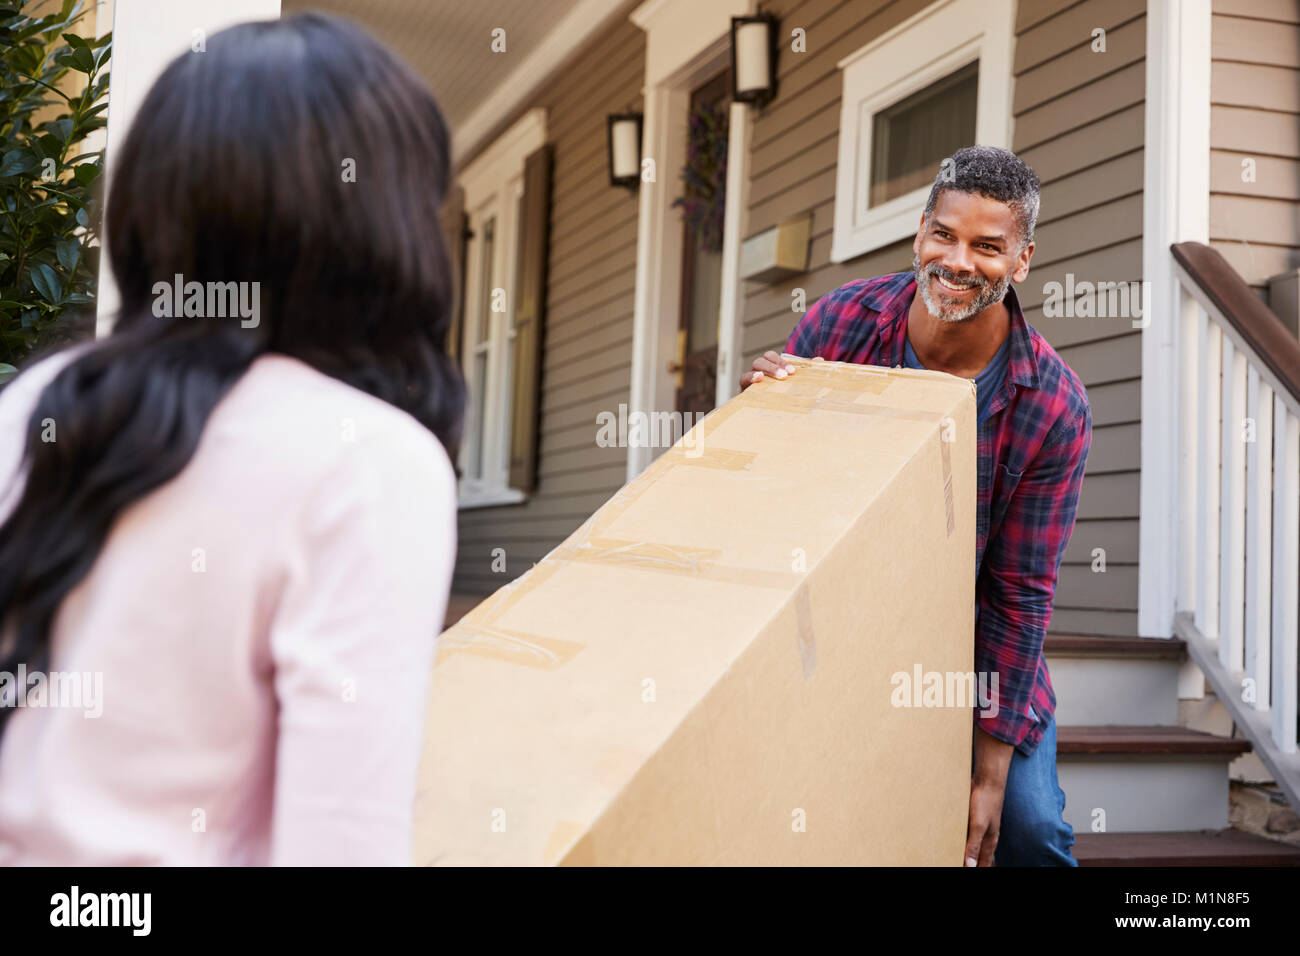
(767, 365)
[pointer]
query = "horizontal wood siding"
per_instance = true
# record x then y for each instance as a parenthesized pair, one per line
(1255, 117)
(1079, 123)
(587, 346)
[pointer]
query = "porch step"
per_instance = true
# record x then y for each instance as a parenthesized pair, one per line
(1115, 680)
(1144, 778)
(1129, 648)
(1225, 847)
(1146, 741)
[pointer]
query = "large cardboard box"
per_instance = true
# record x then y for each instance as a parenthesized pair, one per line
(725, 663)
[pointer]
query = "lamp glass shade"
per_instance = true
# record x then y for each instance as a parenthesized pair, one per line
(626, 160)
(752, 39)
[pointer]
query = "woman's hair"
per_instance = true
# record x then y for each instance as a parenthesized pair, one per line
(297, 154)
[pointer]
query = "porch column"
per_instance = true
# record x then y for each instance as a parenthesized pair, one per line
(147, 35)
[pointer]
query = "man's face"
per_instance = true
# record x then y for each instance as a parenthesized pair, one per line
(967, 254)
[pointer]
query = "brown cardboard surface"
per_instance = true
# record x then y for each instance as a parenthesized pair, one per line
(674, 685)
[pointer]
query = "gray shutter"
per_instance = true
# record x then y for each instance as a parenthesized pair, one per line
(455, 226)
(530, 314)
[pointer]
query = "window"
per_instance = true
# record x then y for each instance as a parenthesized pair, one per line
(494, 187)
(911, 97)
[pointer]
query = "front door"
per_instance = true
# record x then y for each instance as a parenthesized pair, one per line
(702, 206)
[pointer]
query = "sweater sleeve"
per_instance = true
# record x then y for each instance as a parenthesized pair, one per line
(352, 644)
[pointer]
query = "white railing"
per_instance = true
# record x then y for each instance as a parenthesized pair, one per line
(1239, 529)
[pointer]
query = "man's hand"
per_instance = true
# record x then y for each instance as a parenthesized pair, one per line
(768, 364)
(984, 822)
(987, 787)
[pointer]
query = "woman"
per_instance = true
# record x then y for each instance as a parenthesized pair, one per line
(235, 515)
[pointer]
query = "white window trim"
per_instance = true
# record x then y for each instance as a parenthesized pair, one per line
(892, 67)
(686, 43)
(493, 183)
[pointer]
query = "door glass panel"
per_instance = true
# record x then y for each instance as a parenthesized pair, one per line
(480, 418)
(486, 283)
(703, 203)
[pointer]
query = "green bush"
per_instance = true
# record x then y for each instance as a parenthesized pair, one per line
(49, 216)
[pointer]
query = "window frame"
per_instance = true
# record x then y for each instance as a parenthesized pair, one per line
(493, 184)
(982, 30)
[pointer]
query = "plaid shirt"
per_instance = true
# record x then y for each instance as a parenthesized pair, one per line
(1031, 452)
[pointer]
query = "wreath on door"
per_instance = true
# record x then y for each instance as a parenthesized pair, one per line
(704, 201)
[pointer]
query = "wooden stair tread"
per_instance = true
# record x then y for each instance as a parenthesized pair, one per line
(1125, 739)
(1183, 848)
(1091, 645)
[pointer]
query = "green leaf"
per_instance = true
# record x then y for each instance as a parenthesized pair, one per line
(86, 173)
(82, 218)
(79, 298)
(62, 128)
(68, 252)
(17, 161)
(7, 371)
(81, 59)
(46, 282)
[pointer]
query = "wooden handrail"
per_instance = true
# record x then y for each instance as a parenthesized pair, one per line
(1263, 331)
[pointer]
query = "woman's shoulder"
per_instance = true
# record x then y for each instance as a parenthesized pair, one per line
(20, 394)
(296, 414)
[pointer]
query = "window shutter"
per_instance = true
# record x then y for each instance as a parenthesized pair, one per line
(530, 313)
(455, 225)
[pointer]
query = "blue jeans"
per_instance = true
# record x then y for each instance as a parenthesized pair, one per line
(1034, 831)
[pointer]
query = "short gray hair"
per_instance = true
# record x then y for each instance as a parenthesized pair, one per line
(996, 173)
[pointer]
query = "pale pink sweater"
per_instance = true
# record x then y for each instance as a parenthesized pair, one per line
(264, 625)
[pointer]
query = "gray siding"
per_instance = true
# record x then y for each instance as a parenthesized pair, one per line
(1255, 114)
(587, 347)
(1079, 123)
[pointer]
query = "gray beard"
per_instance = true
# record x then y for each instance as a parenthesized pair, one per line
(989, 293)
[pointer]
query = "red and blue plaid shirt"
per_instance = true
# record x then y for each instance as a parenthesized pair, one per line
(1031, 453)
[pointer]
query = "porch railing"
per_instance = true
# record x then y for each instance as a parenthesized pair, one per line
(1239, 504)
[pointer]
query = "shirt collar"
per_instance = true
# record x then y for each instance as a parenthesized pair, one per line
(893, 297)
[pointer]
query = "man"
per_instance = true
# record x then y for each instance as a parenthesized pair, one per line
(1035, 429)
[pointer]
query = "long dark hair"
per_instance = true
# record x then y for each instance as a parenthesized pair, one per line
(298, 154)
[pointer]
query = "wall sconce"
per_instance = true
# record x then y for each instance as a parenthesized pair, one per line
(753, 59)
(624, 145)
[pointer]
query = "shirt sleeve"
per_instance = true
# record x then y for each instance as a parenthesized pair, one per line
(806, 339)
(1019, 573)
(352, 647)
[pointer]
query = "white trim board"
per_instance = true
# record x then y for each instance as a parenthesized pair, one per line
(146, 37)
(686, 43)
(926, 47)
(1175, 208)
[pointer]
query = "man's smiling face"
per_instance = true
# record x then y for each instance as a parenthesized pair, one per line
(966, 254)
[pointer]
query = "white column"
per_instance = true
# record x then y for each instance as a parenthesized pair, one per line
(1175, 208)
(147, 35)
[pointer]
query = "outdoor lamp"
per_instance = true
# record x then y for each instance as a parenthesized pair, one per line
(624, 145)
(753, 59)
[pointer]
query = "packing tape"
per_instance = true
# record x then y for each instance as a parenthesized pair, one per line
(477, 634)
(945, 448)
(804, 629)
(513, 647)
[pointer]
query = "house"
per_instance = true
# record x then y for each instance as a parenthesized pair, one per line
(1166, 134)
